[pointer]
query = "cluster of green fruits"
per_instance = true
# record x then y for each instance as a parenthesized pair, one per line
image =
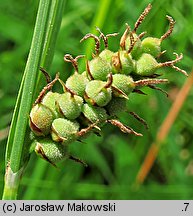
(97, 95)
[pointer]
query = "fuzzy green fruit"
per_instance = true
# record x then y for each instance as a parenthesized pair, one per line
(137, 50)
(106, 55)
(98, 68)
(64, 130)
(123, 83)
(94, 114)
(122, 63)
(152, 46)
(77, 83)
(50, 100)
(41, 118)
(97, 93)
(50, 151)
(146, 65)
(70, 106)
(116, 106)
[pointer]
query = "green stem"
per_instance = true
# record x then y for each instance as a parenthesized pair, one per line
(54, 22)
(42, 47)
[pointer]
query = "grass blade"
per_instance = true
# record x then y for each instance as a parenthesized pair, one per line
(41, 52)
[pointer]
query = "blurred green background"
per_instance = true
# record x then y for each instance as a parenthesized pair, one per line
(115, 158)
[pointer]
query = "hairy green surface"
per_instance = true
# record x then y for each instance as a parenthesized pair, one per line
(115, 158)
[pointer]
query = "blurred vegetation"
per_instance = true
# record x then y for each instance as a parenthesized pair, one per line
(115, 158)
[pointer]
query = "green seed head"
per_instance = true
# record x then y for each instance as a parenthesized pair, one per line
(50, 151)
(122, 63)
(146, 65)
(124, 83)
(116, 106)
(64, 130)
(98, 68)
(70, 105)
(77, 83)
(97, 93)
(152, 46)
(94, 114)
(41, 118)
(136, 51)
(49, 100)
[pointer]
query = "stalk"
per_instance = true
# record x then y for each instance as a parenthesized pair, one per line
(41, 52)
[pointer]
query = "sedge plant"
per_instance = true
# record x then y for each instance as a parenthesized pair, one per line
(97, 95)
(90, 99)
